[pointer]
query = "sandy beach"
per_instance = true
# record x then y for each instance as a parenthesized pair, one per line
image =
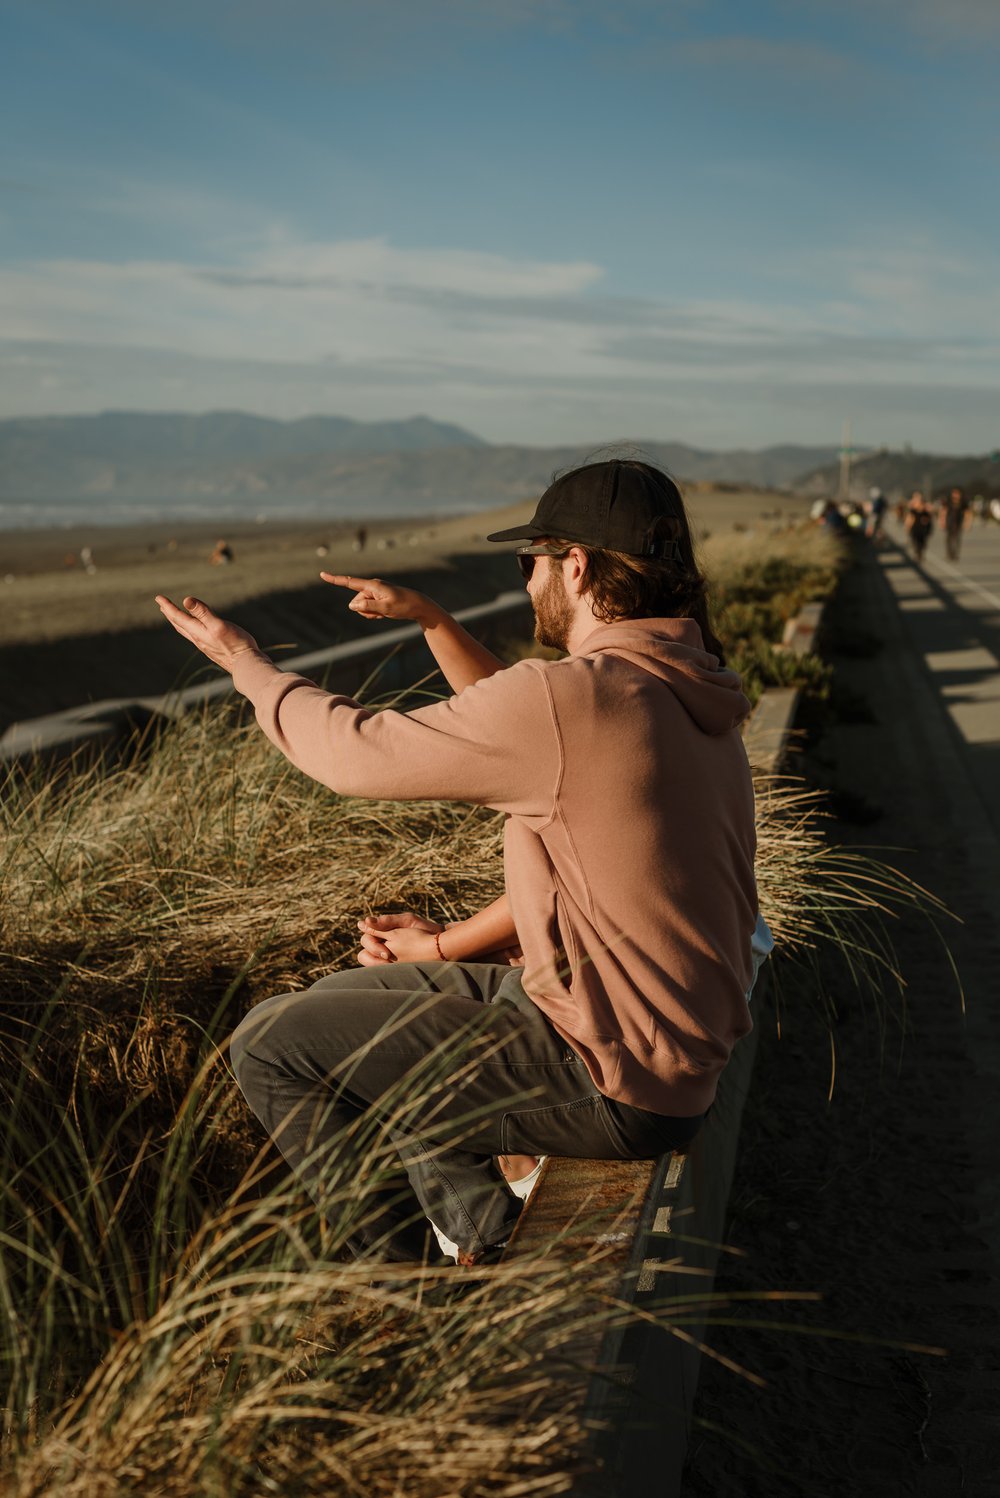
(70, 634)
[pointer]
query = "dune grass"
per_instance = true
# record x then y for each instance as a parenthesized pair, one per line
(161, 1339)
(175, 1317)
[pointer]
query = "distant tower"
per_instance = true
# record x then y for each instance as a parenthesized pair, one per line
(846, 452)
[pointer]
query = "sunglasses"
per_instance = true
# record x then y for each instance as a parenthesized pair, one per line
(525, 556)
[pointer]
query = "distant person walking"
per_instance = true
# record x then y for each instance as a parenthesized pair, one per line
(919, 524)
(222, 555)
(877, 506)
(955, 516)
(832, 520)
(360, 538)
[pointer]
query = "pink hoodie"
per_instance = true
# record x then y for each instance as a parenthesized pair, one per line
(629, 842)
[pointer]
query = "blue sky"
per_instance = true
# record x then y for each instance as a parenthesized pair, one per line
(548, 221)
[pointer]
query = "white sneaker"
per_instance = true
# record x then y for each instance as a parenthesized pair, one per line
(526, 1185)
(522, 1188)
(449, 1249)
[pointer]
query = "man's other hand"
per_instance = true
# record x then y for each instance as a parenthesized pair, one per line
(404, 937)
(374, 599)
(217, 638)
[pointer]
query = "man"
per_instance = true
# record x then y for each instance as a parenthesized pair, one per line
(629, 846)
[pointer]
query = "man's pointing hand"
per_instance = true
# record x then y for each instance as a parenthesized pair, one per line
(375, 599)
(217, 638)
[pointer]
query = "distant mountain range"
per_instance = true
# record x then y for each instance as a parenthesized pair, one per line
(409, 466)
(153, 453)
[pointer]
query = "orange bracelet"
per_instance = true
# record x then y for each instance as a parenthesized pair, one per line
(437, 943)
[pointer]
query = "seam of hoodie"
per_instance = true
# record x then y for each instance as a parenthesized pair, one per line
(560, 748)
(557, 811)
(583, 873)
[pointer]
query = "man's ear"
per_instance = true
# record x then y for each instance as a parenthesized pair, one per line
(574, 567)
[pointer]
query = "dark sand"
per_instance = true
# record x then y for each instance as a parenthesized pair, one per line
(69, 636)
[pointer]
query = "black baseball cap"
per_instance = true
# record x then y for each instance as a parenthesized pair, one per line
(612, 506)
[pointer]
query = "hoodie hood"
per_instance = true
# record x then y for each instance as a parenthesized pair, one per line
(673, 651)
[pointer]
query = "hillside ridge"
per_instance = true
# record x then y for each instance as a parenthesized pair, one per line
(416, 465)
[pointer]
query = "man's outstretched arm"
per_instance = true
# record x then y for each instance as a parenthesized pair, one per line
(470, 747)
(461, 658)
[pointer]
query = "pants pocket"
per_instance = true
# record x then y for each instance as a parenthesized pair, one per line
(641, 1135)
(572, 1130)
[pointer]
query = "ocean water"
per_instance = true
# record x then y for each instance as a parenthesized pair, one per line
(63, 514)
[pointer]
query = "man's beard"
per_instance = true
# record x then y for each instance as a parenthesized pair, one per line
(553, 613)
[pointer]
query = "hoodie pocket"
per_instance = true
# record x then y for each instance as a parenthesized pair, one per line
(562, 959)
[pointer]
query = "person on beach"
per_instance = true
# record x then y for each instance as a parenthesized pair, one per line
(590, 1011)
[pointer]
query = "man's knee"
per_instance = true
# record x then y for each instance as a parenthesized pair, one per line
(239, 1044)
(259, 1035)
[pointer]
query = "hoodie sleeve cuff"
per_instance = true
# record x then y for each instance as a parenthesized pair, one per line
(253, 672)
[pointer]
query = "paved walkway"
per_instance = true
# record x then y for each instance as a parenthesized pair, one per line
(950, 619)
(887, 1199)
(951, 614)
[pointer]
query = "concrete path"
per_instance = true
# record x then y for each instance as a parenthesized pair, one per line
(886, 1199)
(951, 615)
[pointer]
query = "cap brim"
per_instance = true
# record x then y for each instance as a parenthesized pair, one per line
(527, 532)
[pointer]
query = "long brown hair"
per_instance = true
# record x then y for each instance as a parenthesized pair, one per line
(622, 586)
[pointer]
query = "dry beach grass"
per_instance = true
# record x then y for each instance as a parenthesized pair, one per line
(175, 1320)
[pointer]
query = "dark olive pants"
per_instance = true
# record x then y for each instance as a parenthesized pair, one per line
(450, 1065)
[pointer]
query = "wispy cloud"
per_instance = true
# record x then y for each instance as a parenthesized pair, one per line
(356, 300)
(373, 263)
(965, 23)
(508, 346)
(787, 57)
(640, 401)
(912, 286)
